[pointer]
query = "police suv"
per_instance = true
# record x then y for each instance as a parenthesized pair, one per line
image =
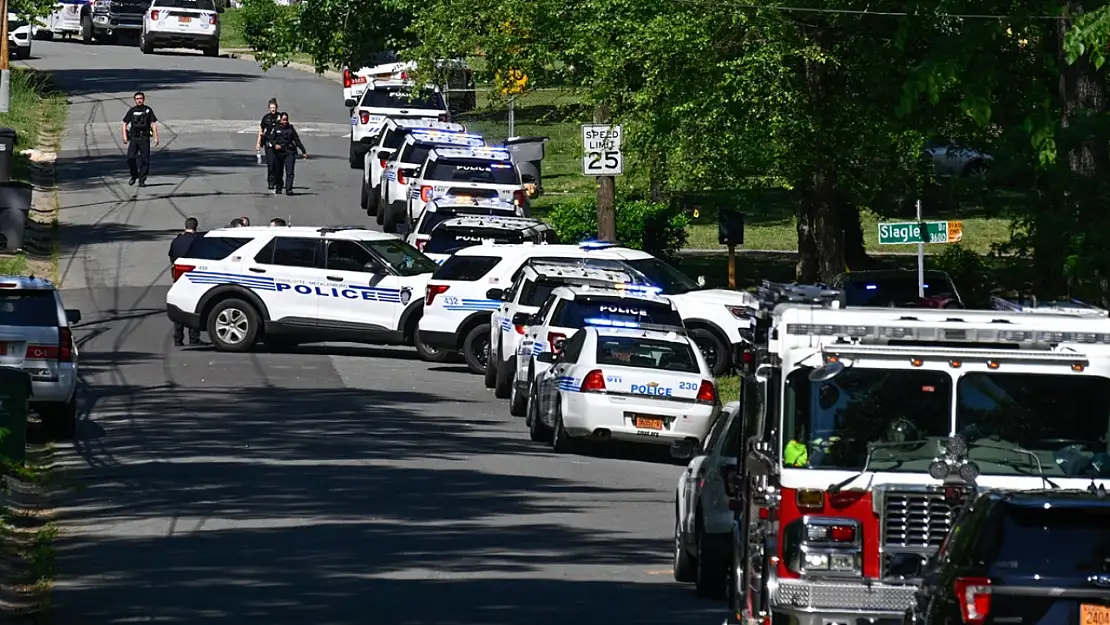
(486, 172)
(181, 24)
(530, 288)
(646, 384)
(391, 137)
(448, 207)
(454, 234)
(286, 286)
(384, 99)
(569, 309)
(400, 169)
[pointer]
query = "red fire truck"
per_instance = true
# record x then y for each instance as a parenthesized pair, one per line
(865, 429)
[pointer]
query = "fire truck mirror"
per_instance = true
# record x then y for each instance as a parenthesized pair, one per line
(826, 372)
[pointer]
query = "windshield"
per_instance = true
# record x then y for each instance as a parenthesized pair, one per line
(580, 312)
(473, 170)
(405, 259)
(431, 219)
(1063, 419)
(414, 153)
(889, 290)
(828, 425)
(662, 275)
(628, 351)
(393, 139)
(450, 240)
(397, 98)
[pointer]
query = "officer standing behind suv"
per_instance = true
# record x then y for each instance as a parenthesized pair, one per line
(139, 123)
(265, 128)
(178, 248)
(286, 143)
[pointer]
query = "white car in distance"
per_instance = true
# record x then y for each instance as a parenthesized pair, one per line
(192, 24)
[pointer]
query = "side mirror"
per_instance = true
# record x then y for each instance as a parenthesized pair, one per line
(683, 449)
(527, 178)
(498, 294)
(349, 103)
(219, 9)
(546, 357)
(701, 281)
(73, 316)
(521, 319)
(559, 344)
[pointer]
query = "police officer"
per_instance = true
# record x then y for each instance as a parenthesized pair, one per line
(139, 124)
(265, 127)
(178, 248)
(286, 143)
(278, 222)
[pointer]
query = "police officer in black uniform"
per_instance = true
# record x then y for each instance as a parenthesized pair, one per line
(265, 127)
(139, 124)
(286, 143)
(178, 248)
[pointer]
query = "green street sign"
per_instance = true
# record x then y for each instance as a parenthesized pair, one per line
(910, 232)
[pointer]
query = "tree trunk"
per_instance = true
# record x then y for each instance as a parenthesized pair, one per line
(855, 254)
(656, 173)
(606, 192)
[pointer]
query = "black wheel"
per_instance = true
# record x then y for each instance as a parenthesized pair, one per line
(491, 372)
(503, 387)
(475, 349)
(713, 349)
(23, 53)
(562, 442)
(390, 220)
(233, 325)
(537, 431)
(518, 402)
(356, 162)
(144, 44)
(364, 198)
(60, 420)
(684, 564)
(86, 30)
(429, 353)
(212, 50)
(710, 567)
(379, 210)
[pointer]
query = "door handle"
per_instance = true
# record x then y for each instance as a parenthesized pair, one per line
(335, 278)
(257, 270)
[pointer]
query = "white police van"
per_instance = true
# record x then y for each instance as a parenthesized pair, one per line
(487, 172)
(529, 290)
(286, 286)
(385, 99)
(392, 136)
(401, 168)
(450, 235)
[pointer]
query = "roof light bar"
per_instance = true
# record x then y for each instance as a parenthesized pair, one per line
(1062, 306)
(969, 335)
(916, 354)
(591, 244)
(602, 322)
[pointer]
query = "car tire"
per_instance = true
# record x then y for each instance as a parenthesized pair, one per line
(86, 30)
(353, 158)
(714, 350)
(491, 371)
(518, 402)
(233, 325)
(212, 51)
(475, 349)
(379, 210)
(145, 45)
(60, 420)
(684, 566)
(537, 431)
(503, 388)
(711, 567)
(427, 352)
(561, 442)
(364, 198)
(390, 221)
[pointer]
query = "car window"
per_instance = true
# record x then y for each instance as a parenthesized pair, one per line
(293, 252)
(518, 280)
(402, 98)
(535, 293)
(715, 432)
(573, 348)
(32, 307)
(1063, 540)
(662, 275)
(614, 311)
(625, 351)
(202, 5)
(751, 398)
(405, 259)
(891, 290)
(448, 240)
(350, 256)
(394, 138)
(465, 268)
(415, 153)
(430, 219)
(542, 313)
(472, 170)
(215, 248)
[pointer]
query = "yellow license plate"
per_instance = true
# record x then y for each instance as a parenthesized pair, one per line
(647, 423)
(1094, 614)
(184, 20)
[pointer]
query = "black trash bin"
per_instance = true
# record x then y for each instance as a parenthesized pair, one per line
(15, 205)
(15, 404)
(7, 153)
(528, 153)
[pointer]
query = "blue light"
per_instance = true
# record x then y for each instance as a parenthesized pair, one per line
(591, 244)
(871, 287)
(646, 289)
(610, 323)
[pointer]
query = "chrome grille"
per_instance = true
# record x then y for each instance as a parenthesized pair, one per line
(916, 519)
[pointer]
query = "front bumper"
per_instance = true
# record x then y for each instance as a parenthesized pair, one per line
(586, 413)
(187, 319)
(117, 22)
(807, 602)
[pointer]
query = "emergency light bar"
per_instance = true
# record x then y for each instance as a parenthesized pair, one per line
(969, 335)
(476, 152)
(1063, 306)
(492, 203)
(955, 357)
(591, 244)
(429, 124)
(495, 221)
(771, 294)
(632, 325)
(442, 137)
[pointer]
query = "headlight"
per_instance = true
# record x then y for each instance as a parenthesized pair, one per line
(831, 562)
(818, 545)
(102, 4)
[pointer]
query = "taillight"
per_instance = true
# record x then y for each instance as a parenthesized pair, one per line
(521, 329)
(426, 194)
(404, 75)
(212, 20)
(65, 345)
(400, 177)
(420, 243)
(707, 394)
(974, 596)
(180, 270)
(594, 382)
(519, 197)
(382, 161)
(432, 290)
(728, 476)
(363, 117)
(154, 14)
(346, 77)
(552, 337)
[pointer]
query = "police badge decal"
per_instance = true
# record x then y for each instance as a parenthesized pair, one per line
(406, 295)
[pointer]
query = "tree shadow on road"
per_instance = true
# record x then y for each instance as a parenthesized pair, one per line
(79, 173)
(85, 81)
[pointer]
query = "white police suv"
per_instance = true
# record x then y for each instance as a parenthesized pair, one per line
(487, 172)
(646, 384)
(295, 285)
(529, 290)
(384, 99)
(456, 233)
(392, 136)
(181, 24)
(401, 168)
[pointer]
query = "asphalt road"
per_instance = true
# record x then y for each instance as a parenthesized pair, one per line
(335, 485)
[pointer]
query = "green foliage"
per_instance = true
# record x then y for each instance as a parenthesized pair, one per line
(32, 8)
(969, 271)
(649, 226)
(269, 29)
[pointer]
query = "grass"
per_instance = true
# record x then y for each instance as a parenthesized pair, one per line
(728, 388)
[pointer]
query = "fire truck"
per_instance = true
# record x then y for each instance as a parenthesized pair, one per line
(865, 430)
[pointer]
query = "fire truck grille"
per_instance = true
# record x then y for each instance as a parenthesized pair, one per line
(843, 596)
(916, 519)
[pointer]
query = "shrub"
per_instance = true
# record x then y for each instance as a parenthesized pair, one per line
(969, 271)
(649, 226)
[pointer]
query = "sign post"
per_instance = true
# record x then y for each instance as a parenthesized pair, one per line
(920, 232)
(602, 158)
(730, 232)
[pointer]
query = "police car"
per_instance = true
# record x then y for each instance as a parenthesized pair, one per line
(384, 99)
(191, 24)
(456, 233)
(486, 172)
(571, 308)
(448, 207)
(401, 168)
(530, 289)
(392, 135)
(20, 34)
(287, 286)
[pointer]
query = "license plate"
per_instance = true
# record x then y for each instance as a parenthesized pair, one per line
(1094, 614)
(649, 423)
(184, 20)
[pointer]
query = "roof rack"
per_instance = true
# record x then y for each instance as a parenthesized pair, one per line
(1059, 306)
(632, 325)
(771, 294)
(329, 229)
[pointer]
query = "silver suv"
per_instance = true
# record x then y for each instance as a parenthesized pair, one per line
(36, 336)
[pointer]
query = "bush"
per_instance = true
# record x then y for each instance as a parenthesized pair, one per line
(969, 271)
(268, 28)
(642, 225)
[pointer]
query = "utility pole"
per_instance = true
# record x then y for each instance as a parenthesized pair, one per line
(5, 73)
(606, 192)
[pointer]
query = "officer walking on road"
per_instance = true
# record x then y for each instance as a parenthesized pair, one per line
(286, 143)
(265, 128)
(178, 248)
(139, 124)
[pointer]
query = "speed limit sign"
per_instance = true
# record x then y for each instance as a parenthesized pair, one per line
(602, 150)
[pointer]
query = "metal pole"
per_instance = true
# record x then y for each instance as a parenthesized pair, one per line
(512, 115)
(5, 73)
(921, 253)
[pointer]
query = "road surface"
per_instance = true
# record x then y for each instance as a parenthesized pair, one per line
(337, 485)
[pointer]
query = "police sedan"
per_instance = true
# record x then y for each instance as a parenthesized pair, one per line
(646, 384)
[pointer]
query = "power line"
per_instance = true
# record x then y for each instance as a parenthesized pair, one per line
(795, 9)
